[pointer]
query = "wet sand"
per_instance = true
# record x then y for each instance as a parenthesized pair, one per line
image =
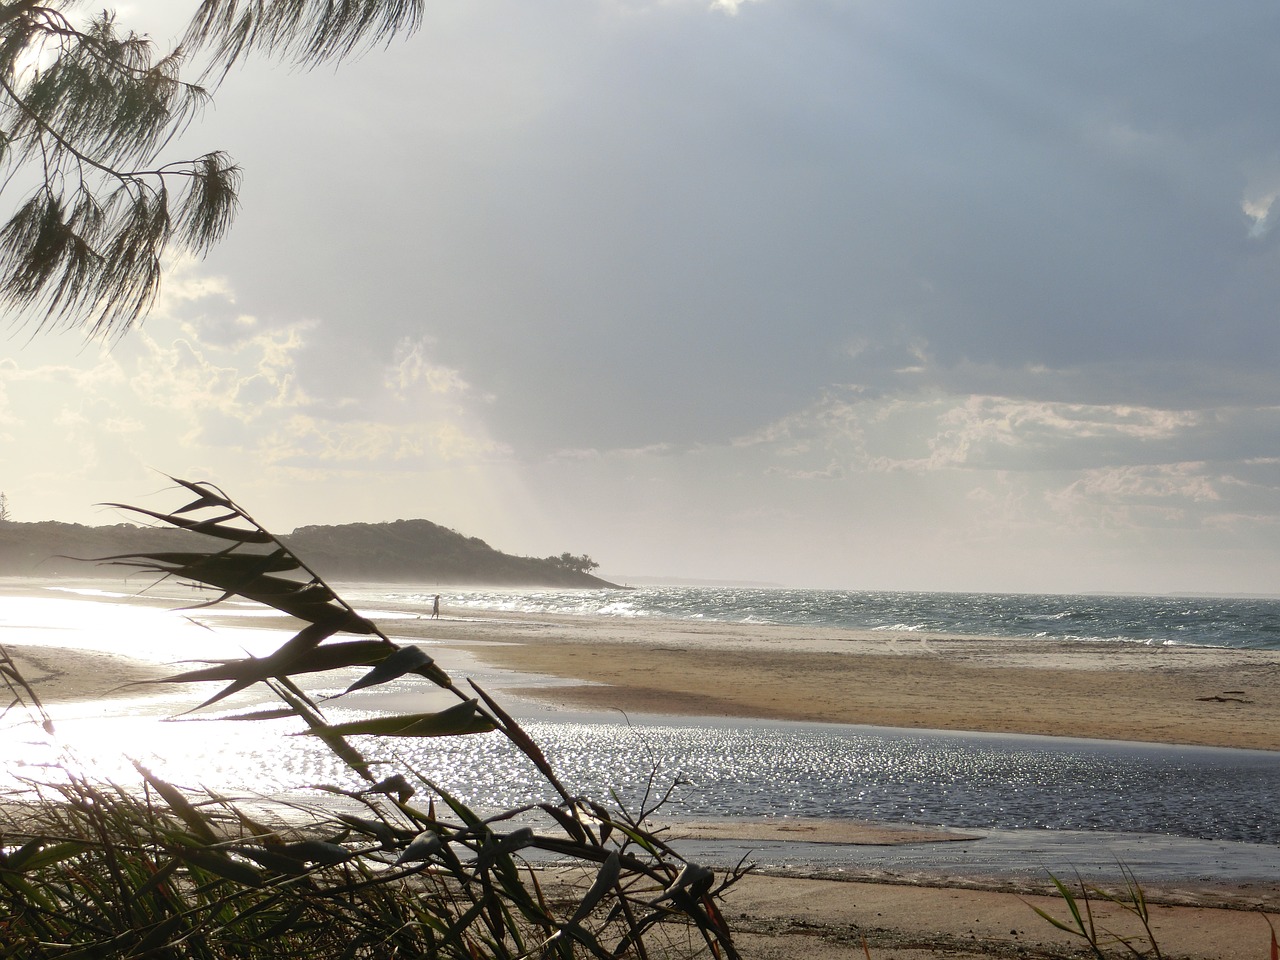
(59, 675)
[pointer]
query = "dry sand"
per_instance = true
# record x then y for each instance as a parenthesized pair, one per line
(794, 917)
(1173, 695)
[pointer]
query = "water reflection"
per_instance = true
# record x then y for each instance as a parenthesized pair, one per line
(972, 782)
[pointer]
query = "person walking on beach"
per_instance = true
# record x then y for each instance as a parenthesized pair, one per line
(435, 608)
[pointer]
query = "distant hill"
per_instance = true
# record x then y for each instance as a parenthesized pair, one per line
(406, 551)
(420, 550)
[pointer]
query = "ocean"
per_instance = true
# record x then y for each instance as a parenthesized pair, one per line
(1234, 622)
(1034, 800)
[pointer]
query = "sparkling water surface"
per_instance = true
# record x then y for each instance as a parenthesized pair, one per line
(1035, 803)
(753, 770)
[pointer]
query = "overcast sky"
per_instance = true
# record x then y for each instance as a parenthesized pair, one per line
(907, 295)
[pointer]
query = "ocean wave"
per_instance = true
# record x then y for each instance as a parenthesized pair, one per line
(1242, 623)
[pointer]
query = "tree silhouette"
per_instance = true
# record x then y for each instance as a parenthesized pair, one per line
(578, 564)
(86, 111)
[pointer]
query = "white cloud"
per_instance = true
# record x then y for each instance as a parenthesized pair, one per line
(731, 7)
(304, 439)
(186, 374)
(187, 283)
(1145, 483)
(728, 7)
(653, 450)
(1258, 209)
(413, 368)
(1141, 498)
(939, 432)
(978, 430)
(7, 415)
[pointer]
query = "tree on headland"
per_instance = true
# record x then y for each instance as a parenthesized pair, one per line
(582, 564)
(88, 108)
(5, 514)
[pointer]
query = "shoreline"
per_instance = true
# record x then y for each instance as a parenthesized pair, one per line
(1181, 695)
(806, 674)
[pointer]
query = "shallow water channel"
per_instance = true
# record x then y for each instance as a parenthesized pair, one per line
(1035, 803)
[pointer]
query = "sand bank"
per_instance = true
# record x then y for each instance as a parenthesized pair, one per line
(60, 675)
(1158, 694)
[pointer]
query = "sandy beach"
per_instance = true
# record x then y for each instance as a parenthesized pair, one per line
(1134, 692)
(1158, 694)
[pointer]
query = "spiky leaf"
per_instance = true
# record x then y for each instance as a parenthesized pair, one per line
(464, 718)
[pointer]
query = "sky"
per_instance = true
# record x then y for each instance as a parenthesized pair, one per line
(854, 294)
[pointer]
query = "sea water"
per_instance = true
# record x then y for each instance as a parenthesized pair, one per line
(1237, 622)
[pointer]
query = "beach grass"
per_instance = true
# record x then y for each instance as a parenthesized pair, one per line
(1078, 899)
(398, 867)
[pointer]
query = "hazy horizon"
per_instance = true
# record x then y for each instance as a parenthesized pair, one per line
(848, 295)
